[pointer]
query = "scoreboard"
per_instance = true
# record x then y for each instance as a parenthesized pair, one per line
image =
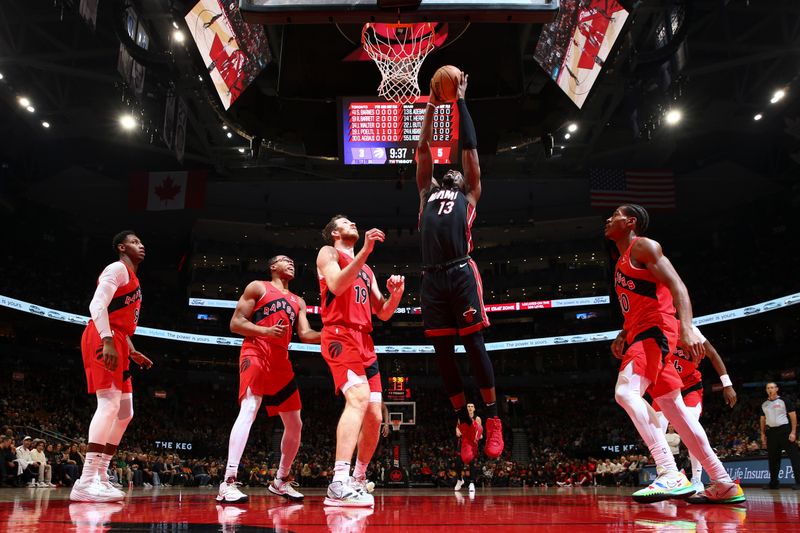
(399, 389)
(377, 132)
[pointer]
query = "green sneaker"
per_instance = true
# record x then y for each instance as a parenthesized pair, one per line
(667, 486)
(719, 492)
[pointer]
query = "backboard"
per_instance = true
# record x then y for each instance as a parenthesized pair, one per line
(406, 412)
(361, 11)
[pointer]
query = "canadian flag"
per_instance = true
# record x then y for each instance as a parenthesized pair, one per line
(162, 191)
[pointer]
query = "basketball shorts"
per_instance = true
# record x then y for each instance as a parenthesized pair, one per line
(348, 350)
(98, 377)
(647, 350)
(266, 370)
(452, 300)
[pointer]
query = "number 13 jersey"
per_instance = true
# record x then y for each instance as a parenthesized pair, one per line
(445, 225)
(352, 308)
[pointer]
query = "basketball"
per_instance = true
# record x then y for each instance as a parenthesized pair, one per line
(444, 83)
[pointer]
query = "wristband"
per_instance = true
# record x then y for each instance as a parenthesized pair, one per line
(726, 380)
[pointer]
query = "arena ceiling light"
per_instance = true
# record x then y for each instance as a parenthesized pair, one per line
(758, 116)
(572, 128)
(673, 116)
(777, 96)
(178, 36)
(1, 76)
(127, 121)
(241, 151)
(567, 135)
(229, 135)
(30, 109)
(24, 101)
(45, 124)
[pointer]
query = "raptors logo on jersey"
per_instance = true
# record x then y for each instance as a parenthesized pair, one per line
(645, 301)
(276, 307)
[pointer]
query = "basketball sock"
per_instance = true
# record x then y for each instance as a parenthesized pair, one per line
(360, 471)
(662, 456)
(91, 465)
(697, 469)
(693, 435)
(491, 409)
(105, 459)
(463, 415)
(341, 471)
(241, 431)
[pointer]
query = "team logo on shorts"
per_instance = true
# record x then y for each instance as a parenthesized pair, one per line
(245, 365)
(335, 349)
(469, 314)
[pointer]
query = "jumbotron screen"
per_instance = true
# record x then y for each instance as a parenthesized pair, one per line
(377, 132)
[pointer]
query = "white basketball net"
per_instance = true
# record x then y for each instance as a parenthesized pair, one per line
(399, 56)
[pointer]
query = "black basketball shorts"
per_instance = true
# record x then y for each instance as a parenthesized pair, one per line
(452, 300)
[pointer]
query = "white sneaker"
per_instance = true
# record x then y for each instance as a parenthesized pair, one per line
(31, 485)
(285, 489)
(110, 488)
(93, 491)
(363, 485)
(698, 487)
(459, 484)
(472, 487)
(230, 493)
(344, 494)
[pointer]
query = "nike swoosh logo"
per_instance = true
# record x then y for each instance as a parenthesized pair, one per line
(462, 265)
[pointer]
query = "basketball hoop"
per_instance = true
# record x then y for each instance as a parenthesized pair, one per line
(396, 424)
(399, 50)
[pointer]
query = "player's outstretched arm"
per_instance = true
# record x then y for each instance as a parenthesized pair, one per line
(469, 145)
(424, 157)
(716, 361)
(240, 321)
(383, 308)
(304, 331)
(649, 253)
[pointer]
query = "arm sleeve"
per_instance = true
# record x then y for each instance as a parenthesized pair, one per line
(113, 277)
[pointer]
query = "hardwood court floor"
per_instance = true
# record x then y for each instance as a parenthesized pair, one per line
(570, 510)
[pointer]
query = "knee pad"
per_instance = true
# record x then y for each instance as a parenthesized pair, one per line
(479, 358)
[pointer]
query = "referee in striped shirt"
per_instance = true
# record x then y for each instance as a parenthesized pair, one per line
(778, 433)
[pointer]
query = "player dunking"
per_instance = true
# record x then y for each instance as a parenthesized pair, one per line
(650, 293)
(107, 349)
(349, 296)
(451, 291)
(692, 391)
(265, 315)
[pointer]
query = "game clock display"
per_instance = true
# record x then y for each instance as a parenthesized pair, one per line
(377, 132)
(399, 389)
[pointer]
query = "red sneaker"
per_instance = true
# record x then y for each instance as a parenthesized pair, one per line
(469, 446)
(494, 438)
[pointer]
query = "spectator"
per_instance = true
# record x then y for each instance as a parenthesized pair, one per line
(9, 468)
(40, 458)
(28, 468)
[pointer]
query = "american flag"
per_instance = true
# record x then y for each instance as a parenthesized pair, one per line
(653, 189)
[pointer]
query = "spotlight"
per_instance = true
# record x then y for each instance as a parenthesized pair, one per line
(1, 75)
(30, 109)
(778, 96)
(128, 122)
(175, 25)
(24, 102)
(45, 124)
(241, 150)
(673, 116)
(758, 116)
(567, 135)
(178, 36)
(572, 128)
(229, 135)
(225, 127)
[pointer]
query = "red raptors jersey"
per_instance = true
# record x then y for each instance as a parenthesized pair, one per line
(352, 308)
(123, 310)
(271, 308)
(688, 371)
(645, 301)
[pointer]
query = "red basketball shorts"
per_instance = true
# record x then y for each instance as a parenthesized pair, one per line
(266, 370)
(647, 351)
(348, 350)
(98, 377)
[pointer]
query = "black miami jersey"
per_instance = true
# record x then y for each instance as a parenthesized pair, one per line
(445, 224)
